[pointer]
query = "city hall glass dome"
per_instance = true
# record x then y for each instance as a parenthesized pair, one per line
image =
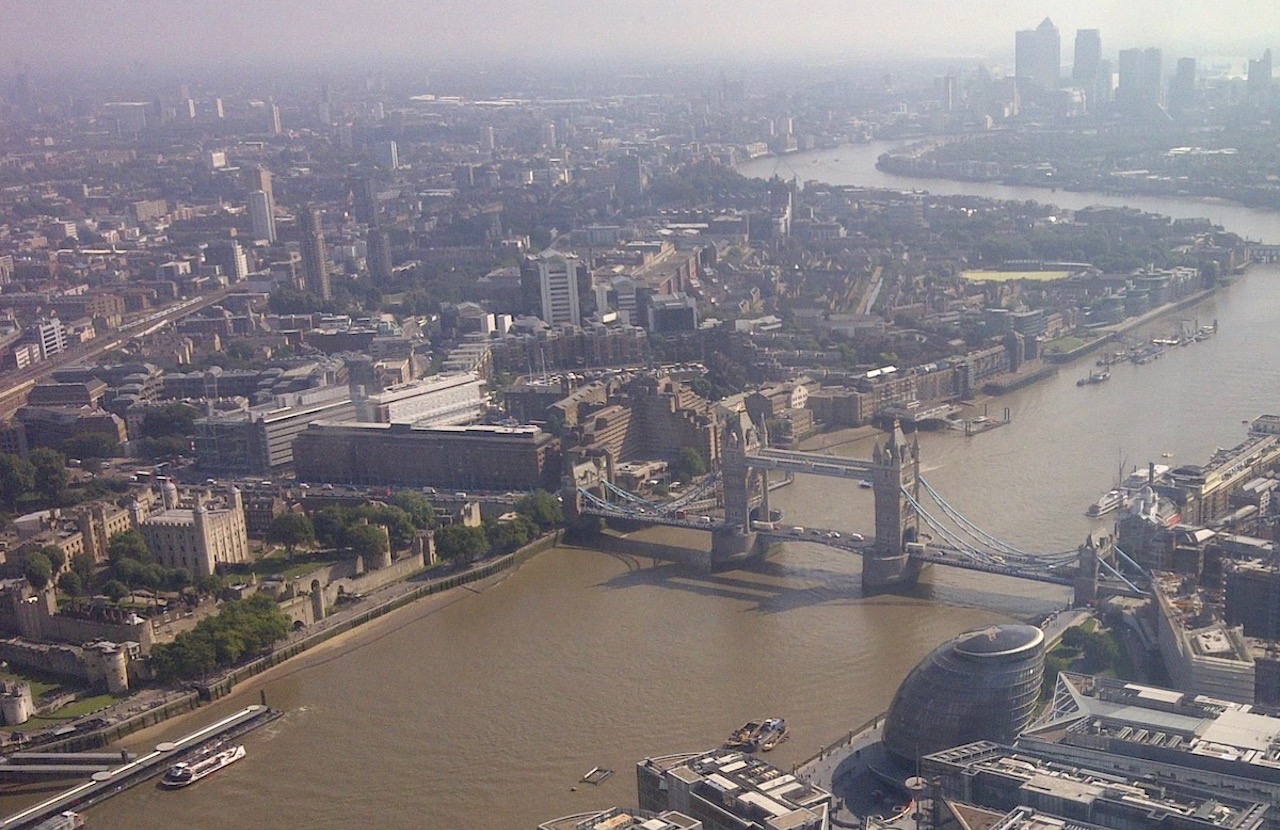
(981, 685)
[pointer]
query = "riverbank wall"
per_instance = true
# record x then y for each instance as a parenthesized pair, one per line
(204, 693)
(1113, 333)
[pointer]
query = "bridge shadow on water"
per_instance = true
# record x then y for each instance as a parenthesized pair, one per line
(787, 583)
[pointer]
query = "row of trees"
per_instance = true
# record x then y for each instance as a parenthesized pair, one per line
(355, 528)
(242, 627)
(536, 513)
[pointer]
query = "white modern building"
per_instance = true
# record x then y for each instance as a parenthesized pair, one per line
(262, 216)
(441, 400)
(558, 278)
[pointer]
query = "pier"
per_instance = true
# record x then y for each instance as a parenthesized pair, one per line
(106, 782)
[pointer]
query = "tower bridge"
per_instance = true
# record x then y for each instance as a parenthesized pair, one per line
(914, 524)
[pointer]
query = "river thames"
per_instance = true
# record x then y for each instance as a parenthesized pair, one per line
(482, 712)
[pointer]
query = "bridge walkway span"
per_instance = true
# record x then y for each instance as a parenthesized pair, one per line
(791, 461)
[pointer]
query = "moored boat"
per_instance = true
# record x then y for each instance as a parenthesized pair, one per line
(186, 773)
(68, 820)
(1111, 500)
(772, 733)
(744, 737)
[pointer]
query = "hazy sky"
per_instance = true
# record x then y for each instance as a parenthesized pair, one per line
(44, 33)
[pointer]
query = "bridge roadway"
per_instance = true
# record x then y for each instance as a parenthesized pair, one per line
(791, 461)
(934, 553)
(854, 543)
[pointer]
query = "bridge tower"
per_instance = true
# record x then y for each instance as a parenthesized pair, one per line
(1091, 554)
(735, 540)
(740, 438)
(895, 474)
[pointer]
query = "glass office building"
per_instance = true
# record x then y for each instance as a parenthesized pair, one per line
(981, 685)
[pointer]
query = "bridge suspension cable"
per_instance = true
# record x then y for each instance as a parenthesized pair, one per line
(980, 535)
(958, 543)
(968, 550)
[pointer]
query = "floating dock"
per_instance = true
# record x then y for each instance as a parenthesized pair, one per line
(596, 775)
(105, 783)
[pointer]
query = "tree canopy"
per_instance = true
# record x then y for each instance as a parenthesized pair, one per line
(293, 530)
(242, 628)
(542, 508)
(17, 477)
(461, 543)
(367, 541)
(689, 464)
(49, 474)
(417, 506)
(37, 570)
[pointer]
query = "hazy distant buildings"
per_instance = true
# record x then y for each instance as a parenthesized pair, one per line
(1259, 80)
(386, 154)
(261, 216)
(1182, 87)
(315, 269)
(130, 116)
(1140, 87)
(1038, 56)
(1087, 68)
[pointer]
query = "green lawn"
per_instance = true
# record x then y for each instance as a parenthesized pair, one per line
(1010, 276)
(83, 706)
(277, 562)
(39, 686)
(1063, 344)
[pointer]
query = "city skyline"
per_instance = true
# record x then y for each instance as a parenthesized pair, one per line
(391, 32)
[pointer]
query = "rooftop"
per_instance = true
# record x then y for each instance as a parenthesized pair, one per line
(1129, 718)
(999, 640)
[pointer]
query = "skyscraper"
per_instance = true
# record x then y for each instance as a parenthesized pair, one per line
(378, 256)
(558, 278)
(1038, 56)
(364, 198)
(273, 119)
(315, 269)
(259, 178)
(386, 155)
(1182, 87)
(1084, 70)
(262, 216)
(1140, 88)
(229, 257)
(1259, 80)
